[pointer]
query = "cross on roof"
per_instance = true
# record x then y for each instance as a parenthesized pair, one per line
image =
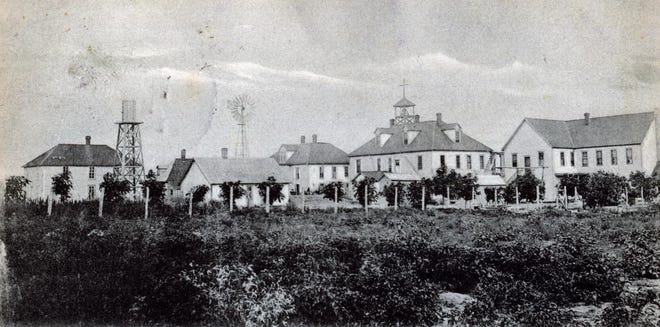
(404, 87)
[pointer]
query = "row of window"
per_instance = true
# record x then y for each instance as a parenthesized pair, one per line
(528, 160)
(393, 165)
(322, 172)
(614, 158)
(91, 173)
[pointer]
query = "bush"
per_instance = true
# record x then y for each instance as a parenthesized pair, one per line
(15, 189)
(156, 188)
(392, 191)
(604, 189)
(62, 185)
(359, 193)
(226, 188)
(275, 193)
(414, 193)
(113, 188)
(526, 184)
(329, 191)
(199, 193)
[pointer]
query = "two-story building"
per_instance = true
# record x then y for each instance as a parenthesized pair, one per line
(87, 163)
(620, 144)
(410, 149)
(313, 165)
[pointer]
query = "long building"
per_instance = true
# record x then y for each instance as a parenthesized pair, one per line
(620, 144)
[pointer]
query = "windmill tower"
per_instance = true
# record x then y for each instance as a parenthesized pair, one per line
(129, 165)
(240, 108)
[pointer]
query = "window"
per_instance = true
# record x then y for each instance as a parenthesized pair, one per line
(345, 171)
(297, 188)
(91, 172)
(297, 172)
(468, 161)
(389, 164)
(65, 169)
(420, 164)
(442, 161)
(91, 192)
(358, 166)
(458, 161)
(334, 172)
(615, 157)
(321, 172)
(527, 161)
(585, 159)
(541, 159)
(514, 160)
(629, 157)
(562, 159)
(378, 164)
(397, 165)
(599, 158)
(572, 159)
(405, 137)
(482, 162)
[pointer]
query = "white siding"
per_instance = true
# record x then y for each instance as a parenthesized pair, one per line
(41, 181)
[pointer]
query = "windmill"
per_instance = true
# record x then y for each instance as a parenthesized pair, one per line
(240, 108)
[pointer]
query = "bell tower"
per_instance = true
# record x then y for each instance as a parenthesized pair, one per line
(404, 110)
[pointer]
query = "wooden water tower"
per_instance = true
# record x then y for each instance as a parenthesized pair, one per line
(130, 165)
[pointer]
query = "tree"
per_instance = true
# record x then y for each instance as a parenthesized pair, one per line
(414, 192)
(465, 186)
(15, 189)
(227, 186)
(329, 191)
(604, 189)
(390, 190)
(639, 180)
(526, 184)
(460, 186)
(156, 188)
(359, 187)
(62, 185)
(571, 182)
(275, 193)
(114, 189)
(199, 193)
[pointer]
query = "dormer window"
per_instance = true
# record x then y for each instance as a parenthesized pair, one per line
(409, 136)
(382, 138)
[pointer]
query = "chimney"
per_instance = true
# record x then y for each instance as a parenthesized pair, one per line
(223, 152)
(183, 153)
(417, 118)
(392, 122)
(587, 118)
(302, 139)
(314, 138)
(88, 140)
(438, 118)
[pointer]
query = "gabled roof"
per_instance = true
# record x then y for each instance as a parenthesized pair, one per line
(248, 170)
(395, 177)
(313, 154)
(430, 137)
(76, 155)
(178, 171)
(601, 131)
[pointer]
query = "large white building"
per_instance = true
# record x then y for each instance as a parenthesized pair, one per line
(87, 164)
(619, 144)
(313, 165)
(410, 149)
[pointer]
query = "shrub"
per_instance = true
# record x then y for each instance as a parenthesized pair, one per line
(359, 192)
(113, 188)
(414, 192)
(390, 193)
(226, 188)
(199, 193)
(275, 193)
(329, 191)
(526, 184)
(156, 188)
(604, 189)
(638, 181)
(15, 189)
(62, 185)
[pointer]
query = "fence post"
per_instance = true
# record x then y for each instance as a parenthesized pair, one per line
(447, 197)
(396, 198)
(366, 198)
(423, 197)
(50, 204)
(303, 201)
(538, 195)
(495, 192)
(102, 195)
(473, 198)
(565, 198)
(231, 198)
(267, 199)
(643, 195)
(627, 200)
(556, 197)
(517, 197)
(146, 205)
(336, 198)
(575, 192)
(190, 200)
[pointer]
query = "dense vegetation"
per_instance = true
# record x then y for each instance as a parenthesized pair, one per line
(389, 267)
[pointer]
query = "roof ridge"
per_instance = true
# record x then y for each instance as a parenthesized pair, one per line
(598, 117)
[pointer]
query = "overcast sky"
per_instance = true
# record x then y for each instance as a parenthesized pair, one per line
(328, 68)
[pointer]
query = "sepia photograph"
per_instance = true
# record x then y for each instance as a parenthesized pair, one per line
(329, 163)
